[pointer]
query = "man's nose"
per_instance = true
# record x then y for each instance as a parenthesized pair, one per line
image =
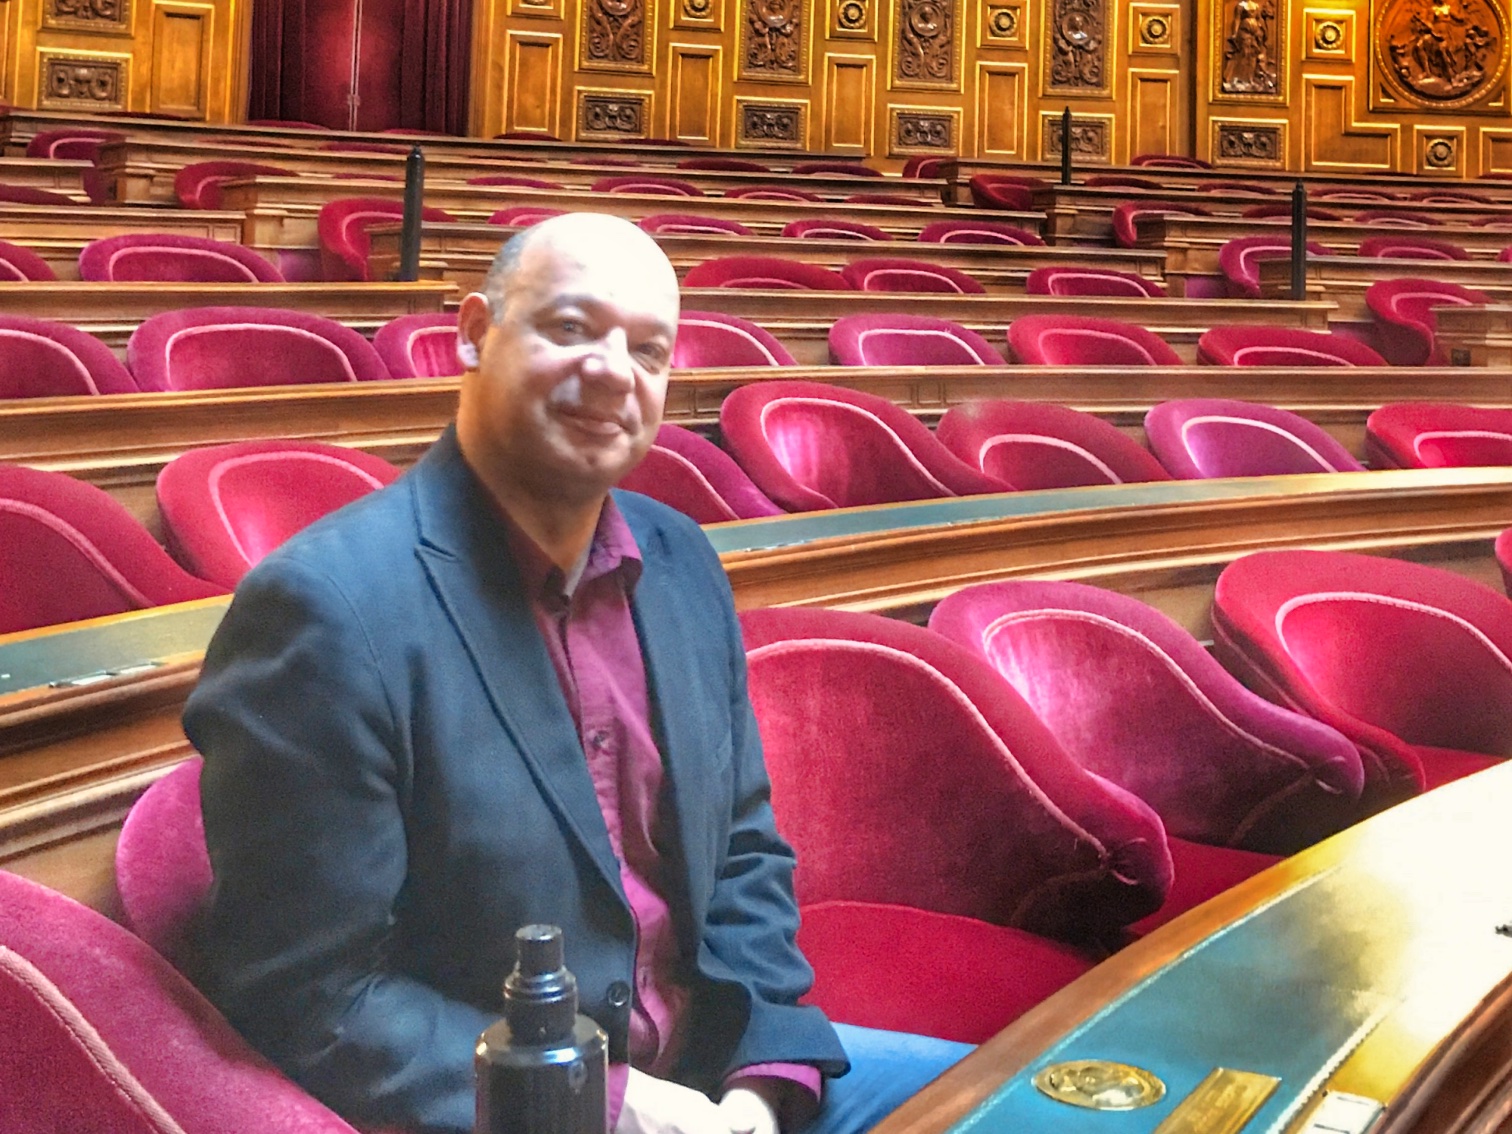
(610, 362)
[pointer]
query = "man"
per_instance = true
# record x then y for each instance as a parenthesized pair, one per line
(494, 694)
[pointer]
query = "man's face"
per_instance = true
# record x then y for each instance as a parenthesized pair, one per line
(573, 376)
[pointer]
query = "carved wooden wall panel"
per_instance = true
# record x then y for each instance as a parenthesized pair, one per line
(696, 94)
(760, 124)
(615, 36)
(1002, 110)
(849, 100)
(926, 44)
(774, 40)
(532, 79)
(1076, 46)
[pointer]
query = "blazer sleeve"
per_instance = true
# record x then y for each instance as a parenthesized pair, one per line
(307, 766)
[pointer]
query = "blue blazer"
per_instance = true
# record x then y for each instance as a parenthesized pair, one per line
(393, 784)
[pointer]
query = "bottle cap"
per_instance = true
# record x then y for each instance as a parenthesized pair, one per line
(540, 995)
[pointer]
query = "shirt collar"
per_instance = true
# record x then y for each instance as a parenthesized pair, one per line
(613, 548)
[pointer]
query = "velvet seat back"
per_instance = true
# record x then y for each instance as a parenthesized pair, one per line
(31, 195)
(509, 180)
(1126, 217)
(1170, 161)
(764, 273)
(690, 223)
(1239, 260)
(709, 338)
(848, 168)
(1410, 662)
(1351, 195)
(1219, 764)
(77, 143)
(698, 478)
(727, 164)
(1411, 248)
(907, 340)
(419, 346)
(343, 224)
(1449, 197)
(212, 348)
(810, 446)
(832, 228)
(70, 552)
(1395, 218)
(1072, 340)
(224, 507)
(198, 185)
(892, 274)
(1051, 280)
(18, 264)
(1004, 191)
(523, 216)
(1406, 326)
(976, 232)
(1436, 435)
(773, 193)
(43, 359)
(170, 257)
(646, 183)
(162, 868)
(904, 771)
(99, 1033)
(1197, 438)
(1503, 552)
(1285, 347)
(1282, 213)
(1032, 445)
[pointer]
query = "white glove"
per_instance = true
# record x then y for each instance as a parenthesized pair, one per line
(747, 1112)
(656, 1106)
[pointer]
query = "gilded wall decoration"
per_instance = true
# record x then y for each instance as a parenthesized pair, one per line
(1244, 142)
(924, 53)
(1002, 24)
(699, 15)
(96, 84)
(772, 41)
(1441, 154)
(915, 131)
(852, 19)
(1089, 138)
(770, 125)
(614, 35)
(1440, 53)
(111, 16)
(611, 115)
(1077, 47)
(1250, 48)
(1155, 31)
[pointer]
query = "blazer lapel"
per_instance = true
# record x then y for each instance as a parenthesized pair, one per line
(464, 551)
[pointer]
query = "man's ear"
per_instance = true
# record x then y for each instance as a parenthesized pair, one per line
(473, 320)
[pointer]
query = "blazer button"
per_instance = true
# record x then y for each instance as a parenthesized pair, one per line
(619, 994)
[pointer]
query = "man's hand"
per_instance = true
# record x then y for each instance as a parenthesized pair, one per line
(655, 1106)
(748, 1112)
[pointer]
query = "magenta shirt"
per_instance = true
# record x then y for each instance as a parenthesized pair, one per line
(590, 637)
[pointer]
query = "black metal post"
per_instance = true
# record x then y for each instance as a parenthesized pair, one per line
(1066, 147)
(409, 235)
(1299, 242)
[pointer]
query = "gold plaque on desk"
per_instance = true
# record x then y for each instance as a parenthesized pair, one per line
(1100, 1084)
(1221, 1104)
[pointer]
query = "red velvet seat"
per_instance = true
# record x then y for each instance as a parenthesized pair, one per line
(907, 340)
(1126, 217)
(1351, 195)
(70, 552)
(1411, 248)
(170, 257)
(708, 338)
(224, 507)
(1393, 218)
(1250, 345)
(208, 348)
(1052, 280)
(1449, 197)
(688, 223)
(1503, 550)
(832, 228)
(99, 1033)
(810, 446)
(1410, 662)
(1197, 438)
(906, 781)
(526, 136)
(772, 193)
(162, 869)
(523, 216)
(365, 148)
(1004, 191)
(698, 478)
(646, 183)
(923, 167)
(1436, 435)
(343, 225)
(976, 232)
(31, 195)
(1034, 445)
(724, 164)
(43, 359)
(1219, 764)
(198, 185)
(419, 346)
(1282, 213)
(18, 264)
(765, 273)
(1073, 340)
(894, 199)
(1238, 188)
(77, 143)
(894, 274)
(514, 181)
(1405, 325)
(1121, 181)
(853, 168)
(1239, 260)
(1170, 161)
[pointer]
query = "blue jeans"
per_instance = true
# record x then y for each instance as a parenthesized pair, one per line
(886, 1069)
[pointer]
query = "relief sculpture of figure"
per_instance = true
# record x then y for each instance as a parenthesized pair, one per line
(1247, 64)
(1443, 50)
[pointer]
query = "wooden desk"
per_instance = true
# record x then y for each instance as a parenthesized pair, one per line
(144, 169)
(59, 175)
(58, 235)
(1344, 280)
(461, 254)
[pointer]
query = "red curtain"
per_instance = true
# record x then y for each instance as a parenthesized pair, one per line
(409, 60)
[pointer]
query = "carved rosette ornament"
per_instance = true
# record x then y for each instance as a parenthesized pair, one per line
(770, 125)
(611, 116)
(1251, 48)
(614, 33)
(1077, 46)
(923, 132)
(926, 47)
(88, 82)
(1257, 144)
(1089, 138)
(851, 16)
(773, 40)
(1441, 54)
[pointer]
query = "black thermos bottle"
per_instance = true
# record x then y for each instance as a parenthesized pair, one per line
(541, 1069)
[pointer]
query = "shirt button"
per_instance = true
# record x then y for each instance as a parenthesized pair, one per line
(599, 739)
(619, 994)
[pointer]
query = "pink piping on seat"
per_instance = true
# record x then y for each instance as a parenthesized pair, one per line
(219, 257)
(89, 1040)
(1456, 434)
(79, 542)
(1299, 601)
(423, 332)
(740, 332)
(185, 332)
(1220, 419)
(910, 273)
(45, 341)
(1093, 333)
(772, 282)
(678, 459)
(837, 233)
(1288, 348)
(908, 454)
(11, 272)
(1100, 277)
(998, 440)
(229, 465)
(923, 333)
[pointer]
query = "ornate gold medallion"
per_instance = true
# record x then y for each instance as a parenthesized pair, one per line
(1100, 1084)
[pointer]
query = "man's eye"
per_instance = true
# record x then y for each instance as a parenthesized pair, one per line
(571, 326)
(652, 352)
